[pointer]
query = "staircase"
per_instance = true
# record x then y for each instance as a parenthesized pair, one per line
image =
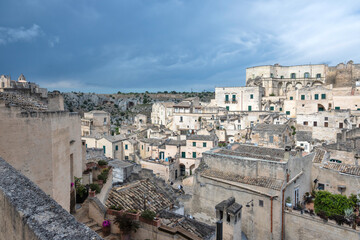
(96, 228)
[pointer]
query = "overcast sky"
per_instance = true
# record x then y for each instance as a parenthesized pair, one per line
(114, 45)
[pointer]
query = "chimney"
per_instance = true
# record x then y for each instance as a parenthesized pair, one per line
(219, 230)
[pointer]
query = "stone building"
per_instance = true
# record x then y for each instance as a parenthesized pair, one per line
(239, 98)
(95, 123)
(161, 112)
(43, 145)
(21, 85)
(259, 178)
(278, 80)
(272, 135)
(112, 146)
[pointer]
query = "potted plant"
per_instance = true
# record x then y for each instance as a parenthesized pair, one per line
(288, 202)
(102, 163)
(106, 228)
(126, 225)
(115, 210)
(148, 216)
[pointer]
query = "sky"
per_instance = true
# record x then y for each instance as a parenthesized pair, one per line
(157, 45)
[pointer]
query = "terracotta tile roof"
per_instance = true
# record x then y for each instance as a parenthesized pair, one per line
(131, 196)
(343, 168)
(260, 181)
(319, 155)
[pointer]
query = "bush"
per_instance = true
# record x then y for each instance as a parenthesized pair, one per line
(95, 187)
(81, 191)
(102, 162)
(331, 205)
(148, 214)
(104, 175)
(117, 207)
(126, 224)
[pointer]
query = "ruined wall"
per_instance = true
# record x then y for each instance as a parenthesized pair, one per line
(301, 226)
(27, 213)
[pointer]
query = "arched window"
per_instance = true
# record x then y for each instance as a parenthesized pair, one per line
(318, 75)
(2, 84)
(306, 75)
(293, 75)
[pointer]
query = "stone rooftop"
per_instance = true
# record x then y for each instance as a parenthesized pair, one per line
(260, 181)
(251, 151)
(272, 128)
(304, 136)
(39, 213)
(131, 196)
(343, 168)
(201, 137)
(201, 230)
(153, 141)
(26, 103)
(319, 155)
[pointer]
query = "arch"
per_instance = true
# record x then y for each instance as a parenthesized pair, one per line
(298, 85)
(321, 108)
(317, 83)
(288, 86)
(182, 169)
(192, 168)
(280, 89)
(293, 75)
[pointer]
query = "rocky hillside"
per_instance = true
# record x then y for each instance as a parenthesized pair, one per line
(123, 106)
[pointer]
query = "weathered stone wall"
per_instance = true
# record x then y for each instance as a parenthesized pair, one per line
(44, 146)
(27, 213)
(300, 226)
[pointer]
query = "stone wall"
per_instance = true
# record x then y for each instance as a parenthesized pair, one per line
(27, 213)
(44, 146)
(300, 226)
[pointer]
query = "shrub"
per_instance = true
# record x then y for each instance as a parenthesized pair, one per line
(331, 204)
(102, 162)
(117, 207)
(148, 214)
(126, 224)
(95, 187)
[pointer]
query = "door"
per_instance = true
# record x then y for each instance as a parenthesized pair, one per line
(296, 197)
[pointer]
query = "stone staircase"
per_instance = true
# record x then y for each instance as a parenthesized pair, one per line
(96, 228)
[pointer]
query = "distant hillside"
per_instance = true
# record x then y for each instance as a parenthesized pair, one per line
(123, 106)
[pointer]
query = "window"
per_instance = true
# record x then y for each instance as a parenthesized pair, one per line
(251, 123)
(126, 147)
(315, 124)
(282, 77)
(337, 108)
(251, 96)
(318, 75)
(105, 120)
(323, 96)
(234, 98)
(204, 144)
(305, 123)
(148, 149)
(194, 154)
(126, 157)
(194, 144)
(306, 75)
(181, 119)
(142, 147)
(228, 217)
(272, 108)
(280, 109)
(321, 186)
(86, 145)
(271, 139)
(226, 98)
(326, 118)
(287, 112)
(104, 148)
(271, 75)
(249, 108)
(183, 154)
(302, 97)
(341, 125)
(293, 75)
(261, 203)
(296, 197)
(227, 108)
(116, 147)
(316, 96)
(291, 98)
(221, 214)
(326, 124)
